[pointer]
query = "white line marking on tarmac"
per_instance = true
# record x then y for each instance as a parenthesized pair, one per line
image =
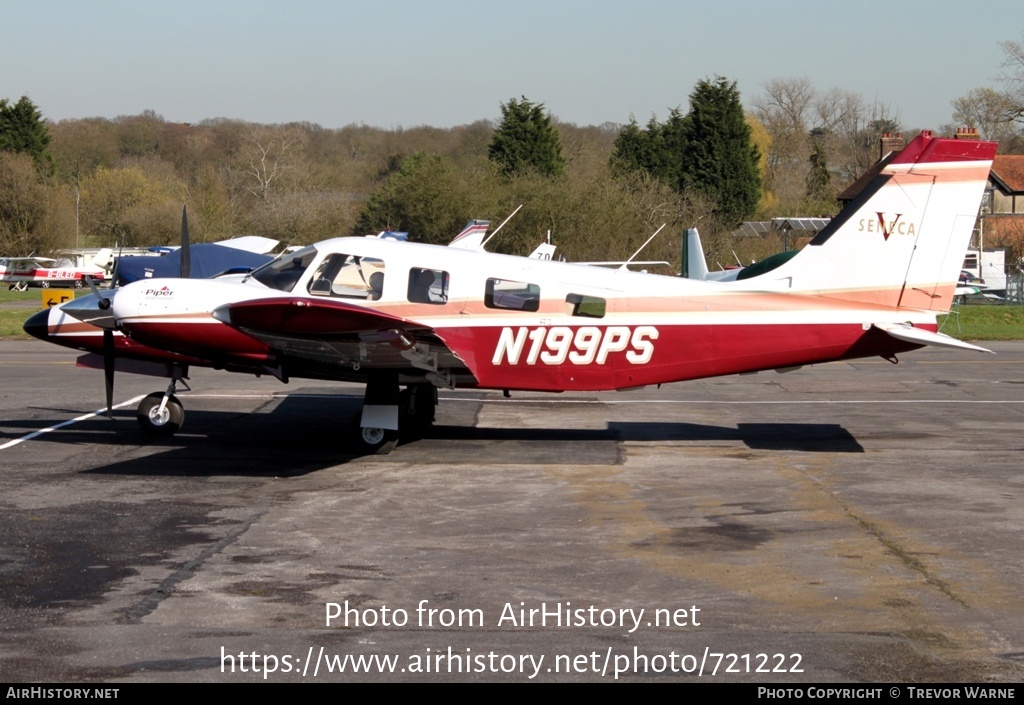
(98, 412)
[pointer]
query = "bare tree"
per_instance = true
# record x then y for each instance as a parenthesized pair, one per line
(987, 110)
(785, 110)
(1013, 78)
(271, 155)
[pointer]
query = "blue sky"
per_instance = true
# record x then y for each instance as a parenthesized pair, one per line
(397, 63)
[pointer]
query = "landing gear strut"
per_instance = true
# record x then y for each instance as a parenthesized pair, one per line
(161, 414)
(416, 405)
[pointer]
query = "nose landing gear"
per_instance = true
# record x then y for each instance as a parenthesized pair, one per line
(161, 414)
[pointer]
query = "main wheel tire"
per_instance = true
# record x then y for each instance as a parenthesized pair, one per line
(78, 284)
(45, 285)
(158, 423)
(375, 441)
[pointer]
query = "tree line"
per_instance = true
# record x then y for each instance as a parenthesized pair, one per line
(599, 190)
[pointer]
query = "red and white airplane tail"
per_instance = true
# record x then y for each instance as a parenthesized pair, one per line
(900, 242)
(472, 236)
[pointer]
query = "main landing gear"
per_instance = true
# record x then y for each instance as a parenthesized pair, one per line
(389, 414)
(160, 413)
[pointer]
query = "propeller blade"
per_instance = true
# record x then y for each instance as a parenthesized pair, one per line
(186, 254)
(108, 370)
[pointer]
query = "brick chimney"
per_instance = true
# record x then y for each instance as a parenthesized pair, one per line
(967, 133)
(890, 143)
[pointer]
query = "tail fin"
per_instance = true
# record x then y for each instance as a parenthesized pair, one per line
(103, 258)
(694, 264)
(472, 236)
(544, 250)
(901, 241)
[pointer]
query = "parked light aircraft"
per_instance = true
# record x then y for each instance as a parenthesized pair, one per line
(393, 314)
(20, 272)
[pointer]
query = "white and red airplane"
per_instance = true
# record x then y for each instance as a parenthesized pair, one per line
(21, 272)
(397, 315)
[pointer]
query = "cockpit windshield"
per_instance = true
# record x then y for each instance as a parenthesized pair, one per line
(284, 272)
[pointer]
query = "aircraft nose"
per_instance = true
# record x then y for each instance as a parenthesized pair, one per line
(38, 325)
(92, 309)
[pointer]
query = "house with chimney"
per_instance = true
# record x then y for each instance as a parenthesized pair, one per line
(1002, 209)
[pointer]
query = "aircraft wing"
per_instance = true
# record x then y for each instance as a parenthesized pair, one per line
(340, 334)
(256, 244)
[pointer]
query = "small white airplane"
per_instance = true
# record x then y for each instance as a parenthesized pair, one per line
(397, 315)
(21, 272)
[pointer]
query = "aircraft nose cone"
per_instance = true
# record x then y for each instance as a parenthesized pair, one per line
(92, 309)
(38, 325)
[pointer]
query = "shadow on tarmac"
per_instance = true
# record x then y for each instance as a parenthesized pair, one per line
(302, 434)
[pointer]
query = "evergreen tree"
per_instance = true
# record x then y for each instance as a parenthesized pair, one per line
(819, 180)
(23, 131)
(526, 139)
(632, 147)
(710, 150)
(656, 149)
(719, 157)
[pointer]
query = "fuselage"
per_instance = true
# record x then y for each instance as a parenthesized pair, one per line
(506, 322)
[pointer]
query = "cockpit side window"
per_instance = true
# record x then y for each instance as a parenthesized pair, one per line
(428, 286)
(349, 277)
(511, 295)
(283, 273)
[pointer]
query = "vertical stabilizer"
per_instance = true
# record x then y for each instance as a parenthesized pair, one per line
(472, 236)
(695, 266)
(901, 241)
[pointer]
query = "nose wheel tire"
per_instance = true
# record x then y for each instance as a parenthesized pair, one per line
(155, 421)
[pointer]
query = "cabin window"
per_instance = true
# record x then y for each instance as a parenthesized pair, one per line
(348, 277)
(428, 286)
(512, 296)
(585, 306)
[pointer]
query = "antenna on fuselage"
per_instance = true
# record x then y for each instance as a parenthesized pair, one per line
(624, 264)
(500, 226)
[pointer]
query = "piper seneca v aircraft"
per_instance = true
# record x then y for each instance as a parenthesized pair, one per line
(397, 315)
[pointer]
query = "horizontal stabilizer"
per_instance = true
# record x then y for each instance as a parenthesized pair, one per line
(905, 332)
